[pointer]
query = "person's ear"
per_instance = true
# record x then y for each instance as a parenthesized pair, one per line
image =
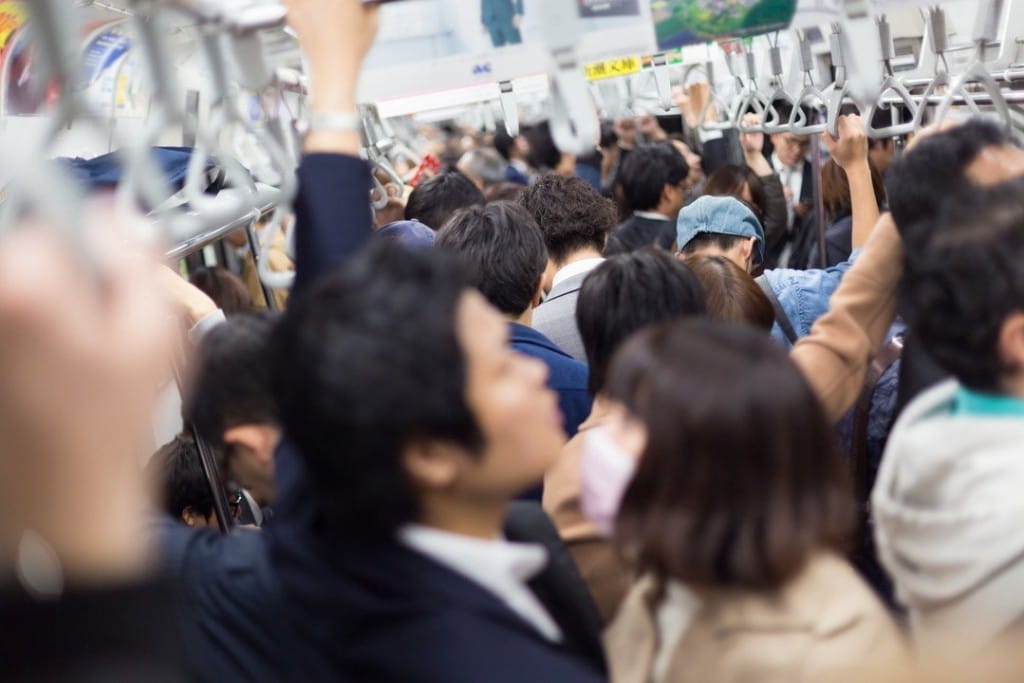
(192, 518)
(431, 464)
(1011, 341)
(538, 294)
(258, 439)
(746, 251)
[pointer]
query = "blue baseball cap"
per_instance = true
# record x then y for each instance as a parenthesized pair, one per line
(719, 216)
(410, 234)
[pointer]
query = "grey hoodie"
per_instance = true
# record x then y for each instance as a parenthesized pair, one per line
(949, 520)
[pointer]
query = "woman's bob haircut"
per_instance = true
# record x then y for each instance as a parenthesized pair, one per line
(741, 480)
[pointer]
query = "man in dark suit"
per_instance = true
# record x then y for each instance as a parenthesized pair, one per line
(796, 173)
(575, 221)
(652, 179)
(502, 19)
(414, 423)
(504, 251)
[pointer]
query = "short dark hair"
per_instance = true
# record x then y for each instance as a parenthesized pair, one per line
(703, 240)
(504, 192)
(571, 214)
(732, 295)
(627, 293)
(225, 288)
(364, 363)
(182, 483)
(502, 250)
(544, 155)
(918, 181)
(958, 291)
(729, 181)
(646, 172)
(230, 378)
(503, 143)
(437, 199)
(741, 481)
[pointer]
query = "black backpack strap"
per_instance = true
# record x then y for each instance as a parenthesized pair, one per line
(780, 315)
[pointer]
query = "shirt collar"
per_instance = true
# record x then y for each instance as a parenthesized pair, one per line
(777, 163)
(651, 215)
(991, 405)
(574, 269)
(501, 567)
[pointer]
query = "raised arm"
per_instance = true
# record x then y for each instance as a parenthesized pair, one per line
(835, 355)
(332, 209)
(850, 152)
(776, 214)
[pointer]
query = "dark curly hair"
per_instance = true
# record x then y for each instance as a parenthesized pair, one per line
(962, 287)
(570, 213)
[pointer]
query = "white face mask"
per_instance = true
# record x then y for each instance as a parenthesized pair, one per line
(606, 469)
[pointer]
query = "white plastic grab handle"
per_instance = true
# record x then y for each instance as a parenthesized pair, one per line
(575, 127)
(509, 108)
(662, 80)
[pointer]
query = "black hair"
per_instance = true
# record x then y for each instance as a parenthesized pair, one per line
(503, 143)
(502, 250)
(230, 378)
(646, 172)
(627, 293)
(364, 363)
(934, 169)
(571, 215)
(544, 154)
(437, 199)
(182, 484)
(704, 240)
(960, 288)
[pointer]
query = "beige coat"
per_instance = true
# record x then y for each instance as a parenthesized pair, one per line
(820, 626)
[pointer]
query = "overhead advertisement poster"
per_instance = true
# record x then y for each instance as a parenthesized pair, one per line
(678, 23)
(430, 46)
(609, 8)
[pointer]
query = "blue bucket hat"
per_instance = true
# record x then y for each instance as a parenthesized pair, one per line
(719, 216)
(410, 234)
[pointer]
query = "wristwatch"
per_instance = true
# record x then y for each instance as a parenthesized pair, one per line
(335, 121)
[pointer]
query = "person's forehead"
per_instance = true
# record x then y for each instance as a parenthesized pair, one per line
(995, 164)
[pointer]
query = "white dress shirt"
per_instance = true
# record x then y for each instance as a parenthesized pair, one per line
(498, 566)
(792, 177)
(574, 269)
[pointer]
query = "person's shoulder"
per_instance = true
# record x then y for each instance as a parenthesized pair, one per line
(452, 644)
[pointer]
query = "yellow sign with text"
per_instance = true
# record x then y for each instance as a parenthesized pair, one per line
(613, 67)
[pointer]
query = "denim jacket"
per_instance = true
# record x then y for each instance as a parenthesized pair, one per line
(804, 295)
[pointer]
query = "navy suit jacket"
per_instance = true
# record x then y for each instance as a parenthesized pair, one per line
(566, 375)
(387, 613)
(637, 232)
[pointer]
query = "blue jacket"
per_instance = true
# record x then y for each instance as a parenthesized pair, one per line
(804, 295)
(230, 605)
(566, 375)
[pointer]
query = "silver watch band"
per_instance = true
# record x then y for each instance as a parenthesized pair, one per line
(339, 121)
